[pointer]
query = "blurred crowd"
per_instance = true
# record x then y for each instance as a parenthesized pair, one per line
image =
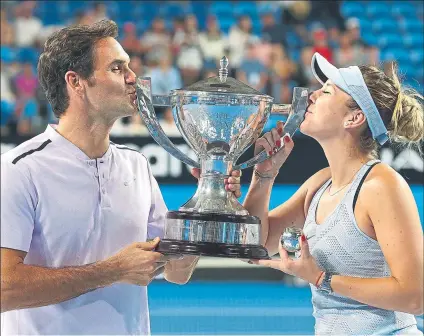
(178, 53)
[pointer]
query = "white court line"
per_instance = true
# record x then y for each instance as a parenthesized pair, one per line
(231, 312)
(211, 262)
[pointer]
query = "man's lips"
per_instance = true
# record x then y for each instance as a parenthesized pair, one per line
(133, 98)
(133, 95)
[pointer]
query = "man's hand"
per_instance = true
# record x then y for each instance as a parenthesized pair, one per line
(232, 183)
(179, 271)
(31, 286)
(138, 264)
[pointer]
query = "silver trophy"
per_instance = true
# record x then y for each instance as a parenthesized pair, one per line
(290, 240)
(219, 117)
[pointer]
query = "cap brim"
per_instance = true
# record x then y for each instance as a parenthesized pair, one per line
(324, 70)
(351, 77)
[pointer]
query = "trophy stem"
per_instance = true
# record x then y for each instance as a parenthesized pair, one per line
(216, 165)
(211, 195)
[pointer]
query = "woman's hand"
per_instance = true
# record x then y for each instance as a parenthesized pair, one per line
(232, 183)
(271, 142)
(304, 267)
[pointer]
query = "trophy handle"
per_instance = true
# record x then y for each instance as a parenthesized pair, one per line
(147, 112)
(296, 113)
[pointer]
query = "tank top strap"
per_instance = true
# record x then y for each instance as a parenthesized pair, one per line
(359, 178)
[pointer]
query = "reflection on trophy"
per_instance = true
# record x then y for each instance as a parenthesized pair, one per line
(219, 117)
(290, 240)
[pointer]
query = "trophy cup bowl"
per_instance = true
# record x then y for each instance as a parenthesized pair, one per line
(219, 118)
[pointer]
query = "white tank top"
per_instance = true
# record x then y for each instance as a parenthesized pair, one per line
(340, 247)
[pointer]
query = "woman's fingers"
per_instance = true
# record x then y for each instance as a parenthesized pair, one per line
(280, 128)
(231, 187)
(276, 139)
(236, 173)
(195, 172)
(232, 183)
(288, 144)
(235, 188)
(304, 247)
(283, 253)
(285, 263)
(275, 264)
(265, 143)
(270, 140)
(233, 180)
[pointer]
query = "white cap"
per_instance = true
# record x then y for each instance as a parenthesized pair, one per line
(351, 81)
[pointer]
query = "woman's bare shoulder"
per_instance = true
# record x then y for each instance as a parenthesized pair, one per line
(386, 184)
(384, 177)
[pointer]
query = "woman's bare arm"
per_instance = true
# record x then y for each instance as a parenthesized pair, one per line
(290, 213)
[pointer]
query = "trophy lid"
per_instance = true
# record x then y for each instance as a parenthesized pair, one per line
(222, 84)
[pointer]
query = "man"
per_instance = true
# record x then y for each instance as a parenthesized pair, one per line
(272, 31)
(77, 209)
(252, 70)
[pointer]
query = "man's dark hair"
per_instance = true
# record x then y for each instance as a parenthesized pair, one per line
(70, 49)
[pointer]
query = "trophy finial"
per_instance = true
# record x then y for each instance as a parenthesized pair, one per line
(223, 71)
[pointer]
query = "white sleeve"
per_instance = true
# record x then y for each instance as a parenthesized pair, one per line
(158, 209)
(18, 202)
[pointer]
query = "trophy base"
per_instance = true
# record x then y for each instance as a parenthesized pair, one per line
(222, 250)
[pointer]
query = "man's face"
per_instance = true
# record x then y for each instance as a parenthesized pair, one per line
(355, 33)
(110, 92)
(268, 19)
(245, 23)
(158, 25)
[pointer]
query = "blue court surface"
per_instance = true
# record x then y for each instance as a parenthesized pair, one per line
(230, 308)
(234, 307)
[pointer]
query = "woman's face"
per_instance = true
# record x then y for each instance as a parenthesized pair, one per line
(245, 23)
(327, 113)
(345, 41)
(212, 25)
(191, 23)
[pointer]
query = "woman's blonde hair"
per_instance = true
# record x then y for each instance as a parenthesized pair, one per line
(401, 109)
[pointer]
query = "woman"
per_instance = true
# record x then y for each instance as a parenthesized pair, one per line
(238, 36)
(212, 41)
(362, 242)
